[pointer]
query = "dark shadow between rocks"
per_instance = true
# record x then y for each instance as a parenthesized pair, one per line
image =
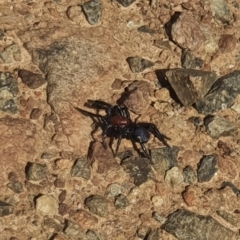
(53, 236)
(35, 199)
(161, 76)
(168, 25)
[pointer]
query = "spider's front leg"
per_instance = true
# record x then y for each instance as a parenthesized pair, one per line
(153, 129)
(98, 104)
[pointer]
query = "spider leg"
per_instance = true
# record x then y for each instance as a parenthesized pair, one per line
(98, 104)
(104, 134)
(145, 151)
(118, 144)
(153, 129)
(123, 111)
(86, 113)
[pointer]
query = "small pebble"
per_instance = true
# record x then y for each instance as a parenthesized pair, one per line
(47, 205)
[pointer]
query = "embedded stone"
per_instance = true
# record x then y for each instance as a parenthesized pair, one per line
(207, 168)
(36, 171)
(164, 158)
(121, 201)
(139, 169)
(81, 168)
(5, 209)
(93, 11)
(219, 127)
(189, 61)
(221, 95)
(184, 225)
(138, 64)
(32, 80)
(98, 205)
(47, 205)
(187, 33)
(190, 85)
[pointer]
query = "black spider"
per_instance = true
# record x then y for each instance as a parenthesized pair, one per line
(118, 124)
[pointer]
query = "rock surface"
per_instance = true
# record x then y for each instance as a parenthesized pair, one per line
(197, 227)
(221, 95)
(187, 32)
(190, 85)
(219, 127)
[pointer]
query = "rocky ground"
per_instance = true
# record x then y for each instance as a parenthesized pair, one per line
(172, 63)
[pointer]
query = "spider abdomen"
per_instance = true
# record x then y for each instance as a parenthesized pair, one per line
(141, 134)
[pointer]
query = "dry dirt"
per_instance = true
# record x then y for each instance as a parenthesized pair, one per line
(76, 61)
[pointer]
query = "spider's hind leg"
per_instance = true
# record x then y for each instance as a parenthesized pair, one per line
(145, 151)
(153, 129)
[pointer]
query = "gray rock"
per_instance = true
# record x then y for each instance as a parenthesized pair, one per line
(93, 11)
(8, 92)
(126, 3)
(162, 44)
(138, 64)
(228, 217)
(81, 168)
(139, 169)
(207, 168)
(121, 201)
(98, 205)
(174, 177)
(186, 225)
(153, 235)
(221, 10)
(164, 158)
(5, 209)
(32, 80)
(189, 61)
(16, 187)
(158, 217)
(221, 95)
(219, 127)
(11, 53)
(197, 121)
(36, 171)
(113, 190)
(189, 175)
(93, 235)
(52, 225)
(74, 231)
(190, 85)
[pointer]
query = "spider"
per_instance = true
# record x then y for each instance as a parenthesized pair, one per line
(118, 124)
